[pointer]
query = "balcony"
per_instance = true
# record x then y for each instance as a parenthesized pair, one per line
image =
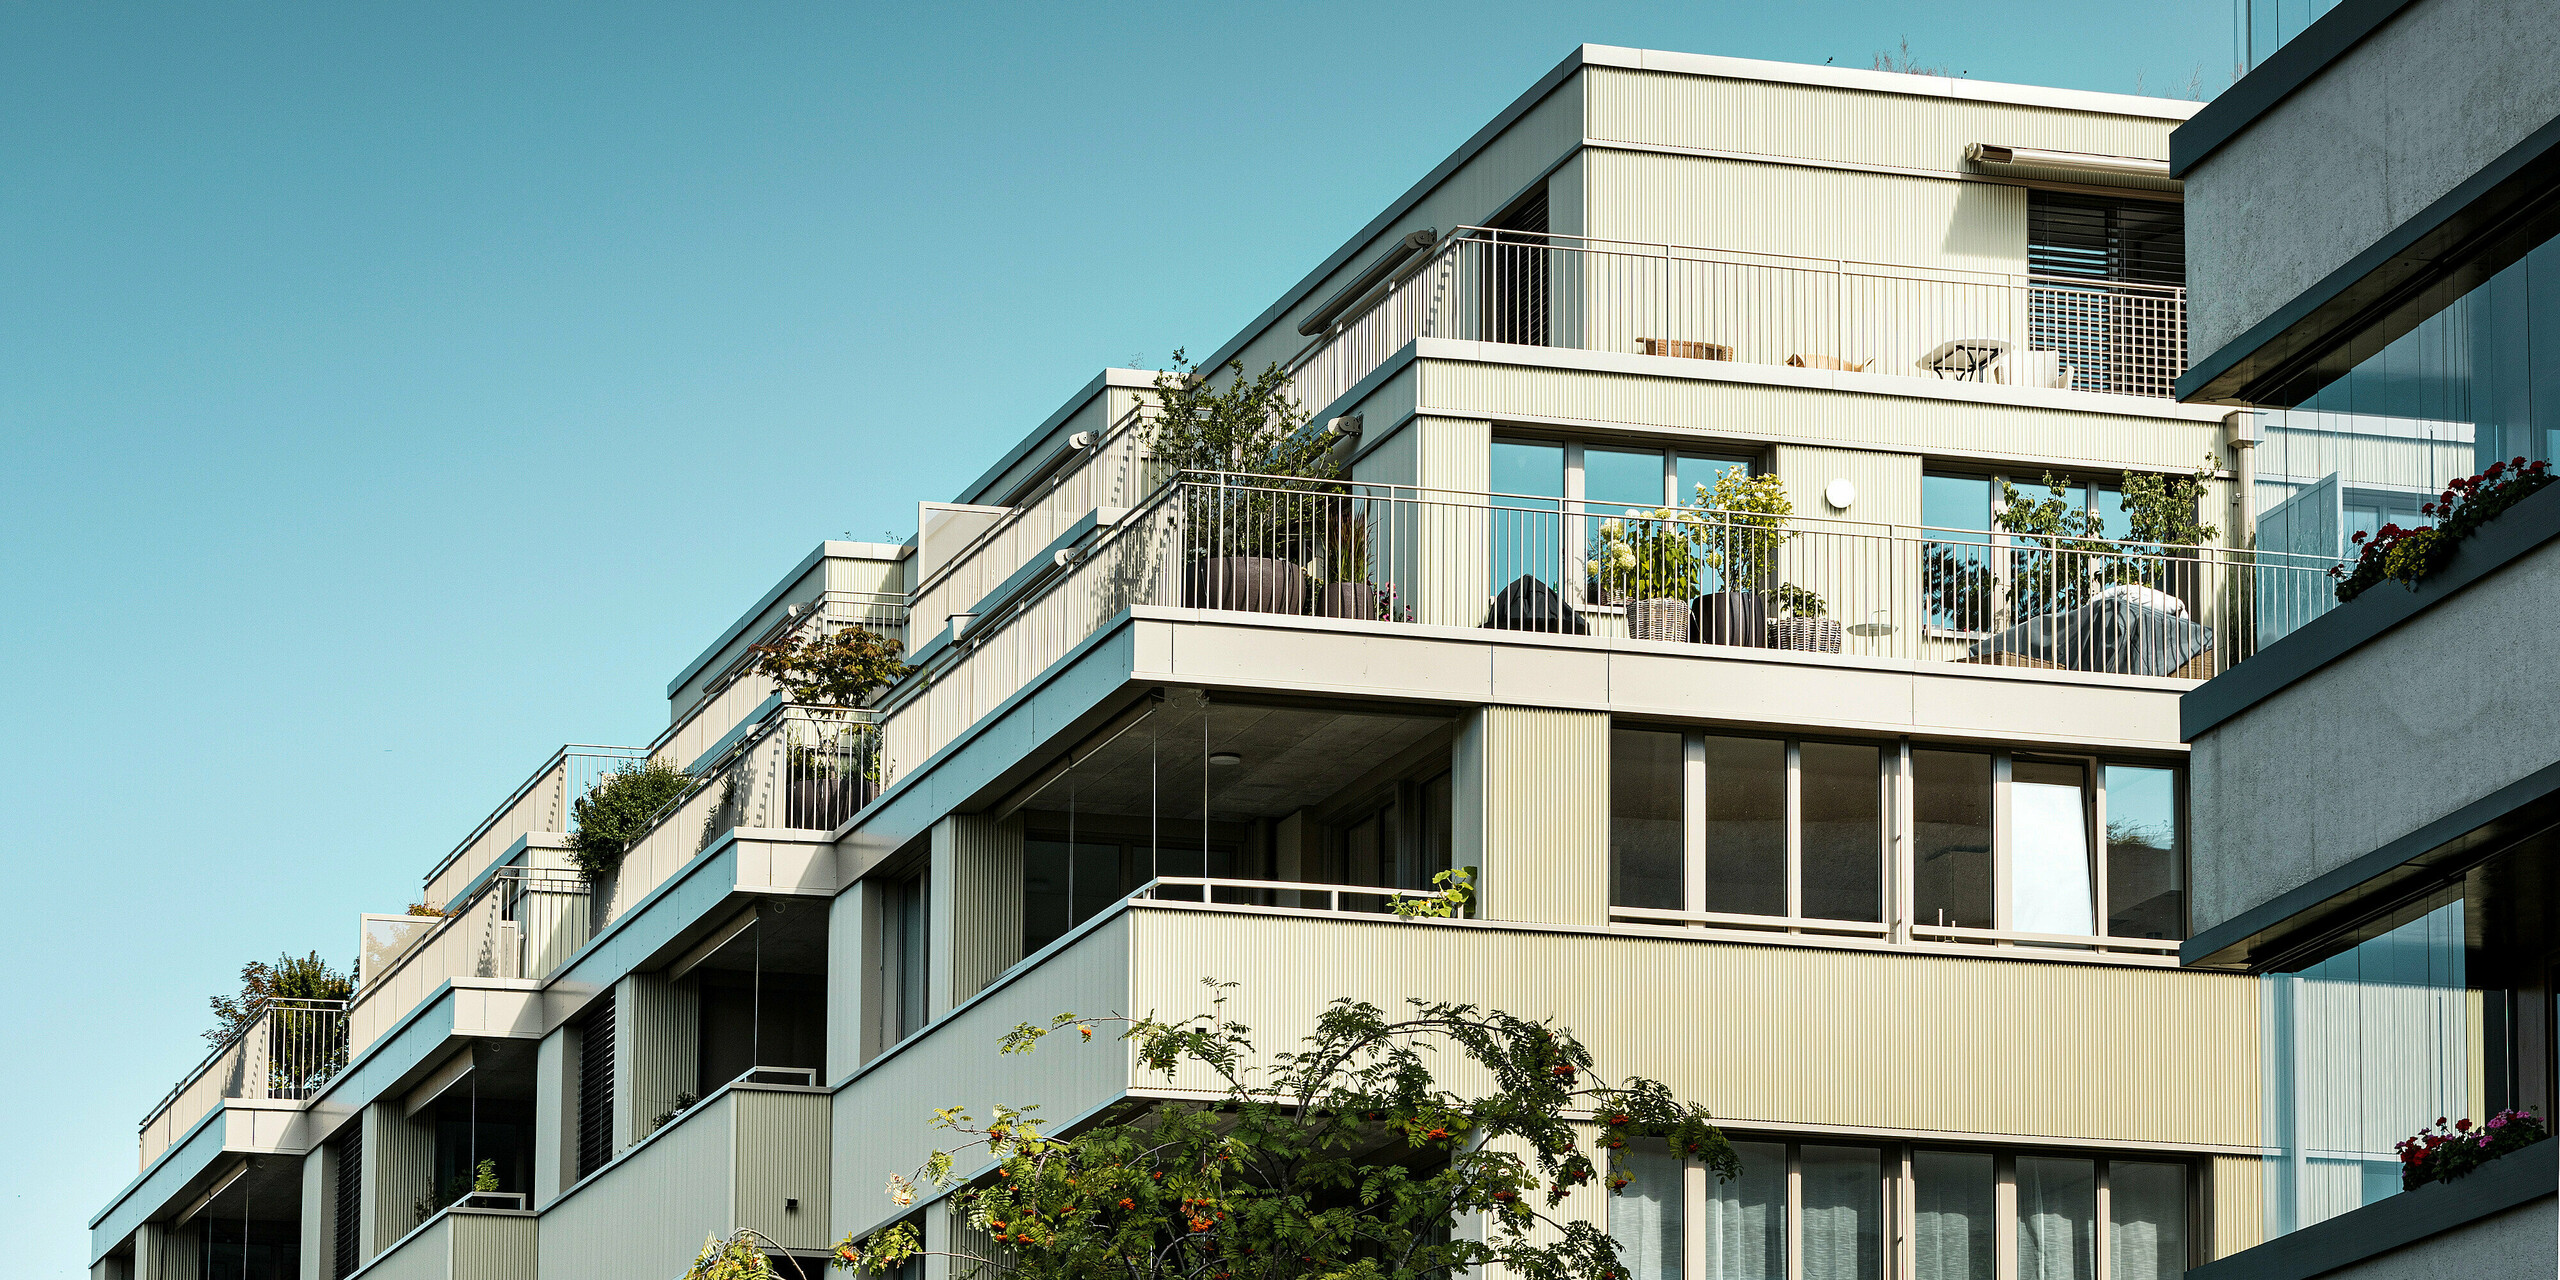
(800, 768)
(1395, 557)
(546, 802)
(285, 1053)
(1482, 285)
(1107, 471)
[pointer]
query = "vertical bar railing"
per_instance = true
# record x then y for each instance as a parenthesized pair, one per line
(1700, 303)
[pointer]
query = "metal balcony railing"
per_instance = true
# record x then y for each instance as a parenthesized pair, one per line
(1396, 556)
(1546, 290)
(802, 768)
(287, 1051)
(546, 802)
(1108, 471)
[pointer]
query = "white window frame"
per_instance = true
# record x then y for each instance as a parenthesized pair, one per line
(1901, 918)
(1897, 1202)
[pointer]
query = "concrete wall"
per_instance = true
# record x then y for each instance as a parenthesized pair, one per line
(2404, 117)
(2418, 722)
(2518, 1242)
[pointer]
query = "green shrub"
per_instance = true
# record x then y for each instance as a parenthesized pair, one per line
(616, 811)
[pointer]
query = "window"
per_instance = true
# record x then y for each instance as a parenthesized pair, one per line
(2146, 853)
(346, 1251)
(1646, 850)
(595, 1086)
(1065, 884)
(1771, 827)
(1646, 1218)
(2061, 1213)
(1740, 829)
(901, 958)
(1843, 830)
(1746, 820)
(1827, 1211)
(1549, 498)
(1955, 1197)
(2049, 848)
(2064, 1212)
(1843, 1196)
(1968, 569)
(2057, 1218)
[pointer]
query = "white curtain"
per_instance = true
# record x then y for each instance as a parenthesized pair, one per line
(2146, 1221)
(1746, 1218)
(1645, 1218)
(2057, 1218)
(1955, 1198)
(1843, 1233)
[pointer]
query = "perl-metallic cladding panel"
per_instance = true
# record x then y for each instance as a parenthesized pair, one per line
(1779, 1035)
(1718, 408)
(648, 1213)
(1846, 126)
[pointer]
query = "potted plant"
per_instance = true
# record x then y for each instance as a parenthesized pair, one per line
(1254, 476)
(1802, 624)
(1649, 562)
(1347, 588)
(1745, 524)
(831, 767)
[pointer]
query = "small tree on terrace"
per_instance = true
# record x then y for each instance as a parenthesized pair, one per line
(1343, 1158)
(1252, 425)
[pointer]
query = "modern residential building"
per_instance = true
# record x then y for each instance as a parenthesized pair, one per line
(1854, 807)
(2373, 209)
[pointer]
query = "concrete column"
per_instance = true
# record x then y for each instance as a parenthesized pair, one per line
(974, 929)
(657, 1049)
(1530, 806)
(319, 1212)
(555, 1115)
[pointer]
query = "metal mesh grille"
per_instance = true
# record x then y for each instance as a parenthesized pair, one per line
(345, 1256)
(2113, 334)
(595, 1087)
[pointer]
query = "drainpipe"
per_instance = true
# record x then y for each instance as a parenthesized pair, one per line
(2240, 445)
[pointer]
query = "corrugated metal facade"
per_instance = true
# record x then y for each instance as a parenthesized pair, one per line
(782, 1157)
(658, 1050)
(649, 1214)
(1849, 126)
(1715, 409)
(428, 1255)
(884, 1120)
(1544, 792)
(1828, 213)
(1887, 484)
(492, 1246)
(1778, 1035)
(399, 1157)
(977, 904)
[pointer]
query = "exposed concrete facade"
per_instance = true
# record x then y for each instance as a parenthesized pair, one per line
(2432, 715)
(2377, 136)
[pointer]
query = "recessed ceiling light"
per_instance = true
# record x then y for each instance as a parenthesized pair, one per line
(1225, 757)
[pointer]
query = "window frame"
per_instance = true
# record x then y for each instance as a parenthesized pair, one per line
(1896, 848)
(1898, 1201)
(1574, 505)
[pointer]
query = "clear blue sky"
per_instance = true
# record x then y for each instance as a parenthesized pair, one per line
(391, 393)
